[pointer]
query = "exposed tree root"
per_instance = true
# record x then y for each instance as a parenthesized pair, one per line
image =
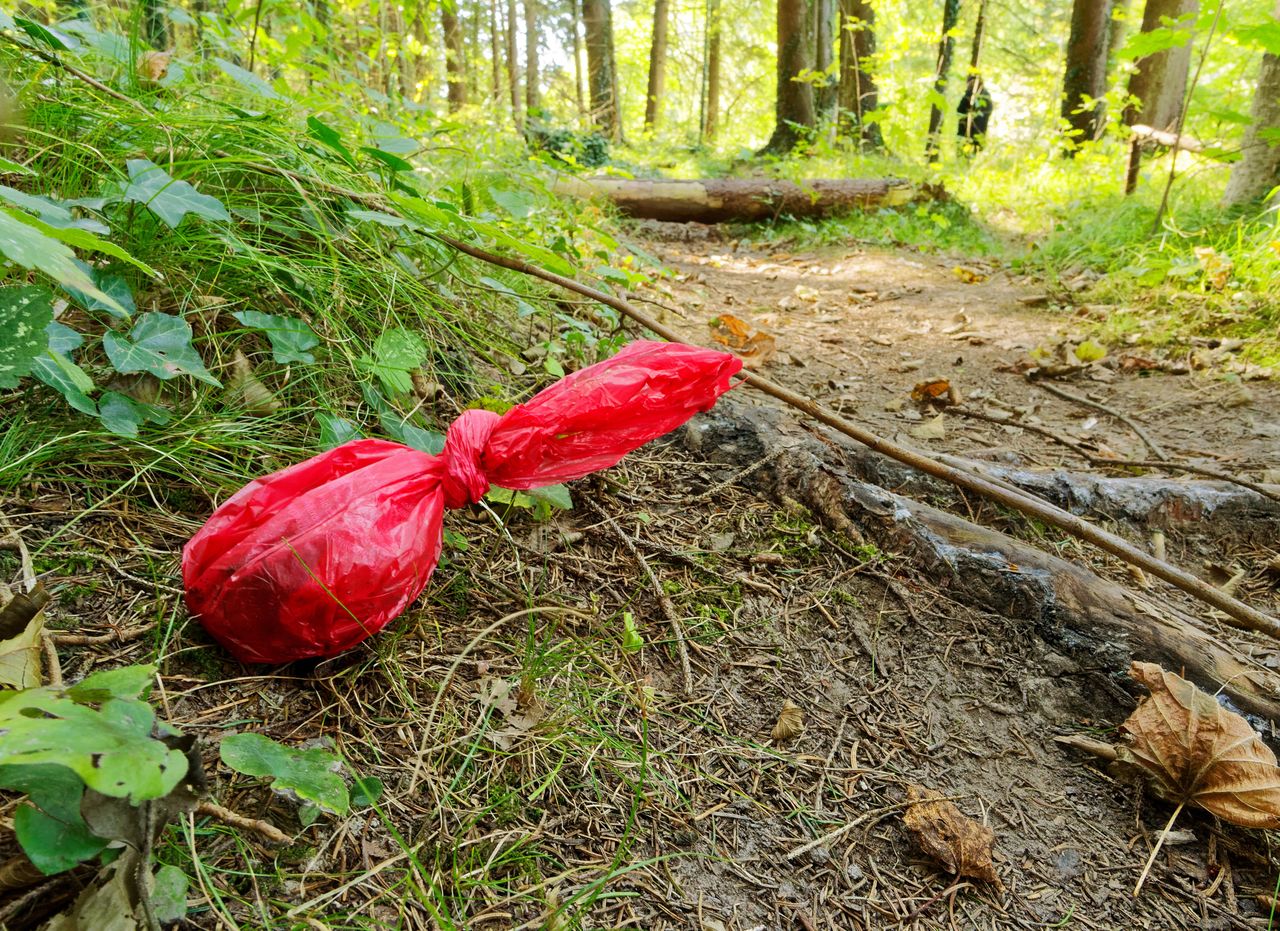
(1068, 605)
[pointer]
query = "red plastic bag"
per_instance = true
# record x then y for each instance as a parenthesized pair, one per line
(311, 560)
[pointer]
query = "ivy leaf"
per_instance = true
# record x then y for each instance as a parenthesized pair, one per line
(167, 198)
(50, 828)
(56, 369)
(395, 354)
(290, 337)
(159, 344)
(334, 430)
(247, 79)
(115, 287)
(25, 313)
(110, 748)
(122, 415)
(310, 774)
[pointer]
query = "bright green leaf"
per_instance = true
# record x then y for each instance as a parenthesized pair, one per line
(111, 748)
(334, 430)
(159, 344)
(25, 313)
(555, 495)
(50, 828)
(56, 369)
(122, 415)
(167, 198)
(631, 638)
(310, 774)
(290, 337)
(26, 244)
(121, 682)
(329, 137)
(377, 216)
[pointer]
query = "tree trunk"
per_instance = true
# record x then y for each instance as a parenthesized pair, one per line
(1085, 80)
(1160, 83)
(575, 18)
(739, 200)
(532, 96)
(824, 95)
(1258, 171)
(513, 68)
(858, 95)
(597, 21)
(454, 55)
(495, 59)
(946, 48)
(793, 109)
(711, 109)
(657, 65)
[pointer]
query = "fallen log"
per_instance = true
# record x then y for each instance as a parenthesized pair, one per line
(737, 199)
(1100, 623)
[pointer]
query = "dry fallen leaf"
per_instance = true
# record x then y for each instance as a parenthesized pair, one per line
(1194, 751)
(153, 66)
(956, 841)
(935, 428)
(21, 630)
(1217, 268)
(247, 390)
(754, 346)
(790, 722)
(516, 704)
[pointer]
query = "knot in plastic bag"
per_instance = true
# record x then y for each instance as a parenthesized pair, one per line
(463, 480)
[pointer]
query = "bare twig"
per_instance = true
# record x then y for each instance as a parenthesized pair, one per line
(668, 607)
(1110, 412)
(243, 822)
(1245, 616)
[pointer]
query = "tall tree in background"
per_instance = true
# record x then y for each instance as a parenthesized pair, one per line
(454, 55)
(531, 90)
(1258, 171)
(597, 22)
(495, 59)
(576, 43)
(711, 107)
(858, 95)
(1085, 80)
(946, 48)
(513, 67)
(825, 94)
(657, 64)
(1159, 84)
(793, 109)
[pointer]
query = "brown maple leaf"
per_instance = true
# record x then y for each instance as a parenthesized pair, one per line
(952, 838)
(1194, 751)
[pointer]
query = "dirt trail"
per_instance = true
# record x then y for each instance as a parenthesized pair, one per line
(859, 328)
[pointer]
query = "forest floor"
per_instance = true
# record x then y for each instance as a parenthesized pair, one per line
(542, 772)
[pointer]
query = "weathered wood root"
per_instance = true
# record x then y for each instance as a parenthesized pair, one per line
(718, 200)
(1145, 500)
(1067, 605)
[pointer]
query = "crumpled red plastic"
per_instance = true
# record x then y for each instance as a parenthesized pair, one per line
(311, 560)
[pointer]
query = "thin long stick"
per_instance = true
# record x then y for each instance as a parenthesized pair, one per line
(1109, 411)
(1244, 615)
(1156, 850)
